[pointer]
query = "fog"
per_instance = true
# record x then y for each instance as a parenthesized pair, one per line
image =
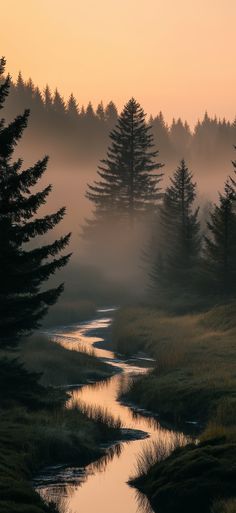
(111, 268)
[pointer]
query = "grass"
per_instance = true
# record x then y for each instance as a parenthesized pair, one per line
(157, 451)
(195, 360)
(194, 379)
(227, 506)
(36, 429)
(99, 415)
(61, 366)
(191, 478)
(31, 440)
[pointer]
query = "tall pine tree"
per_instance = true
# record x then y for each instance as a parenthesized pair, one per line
(23, 270)
(220, 243)
(176, 249)
(127, 186)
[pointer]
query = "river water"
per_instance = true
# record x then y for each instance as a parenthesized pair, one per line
(103, 487)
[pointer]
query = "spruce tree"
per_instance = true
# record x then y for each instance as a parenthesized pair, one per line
(220, 243)
(127, 187)
(111, 114)
(175, 252)
(72, 108)
(24, 269)
(48, 100)
(100, 112)
(58, 104)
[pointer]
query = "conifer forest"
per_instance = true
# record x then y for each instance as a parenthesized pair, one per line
(117, 257)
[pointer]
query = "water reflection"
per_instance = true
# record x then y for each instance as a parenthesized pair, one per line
(104, 483)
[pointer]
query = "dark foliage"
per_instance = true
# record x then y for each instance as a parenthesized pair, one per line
(220, 243)
(23, 271)
(127, 187)
(174, 253)
(190, 478)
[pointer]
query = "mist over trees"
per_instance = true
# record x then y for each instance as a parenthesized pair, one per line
(190, 267)
(174, 252)
(127, 188)
(81, 132)
(77, 137)
(24, 269)
(220, 243)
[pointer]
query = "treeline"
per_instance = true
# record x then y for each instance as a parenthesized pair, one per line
(187, 264)
(82, 131)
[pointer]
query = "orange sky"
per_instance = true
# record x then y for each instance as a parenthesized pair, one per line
(173, 55)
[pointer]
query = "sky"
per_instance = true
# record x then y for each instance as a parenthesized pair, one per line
(177, 56)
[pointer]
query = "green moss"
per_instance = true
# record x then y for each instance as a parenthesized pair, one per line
(190, 479)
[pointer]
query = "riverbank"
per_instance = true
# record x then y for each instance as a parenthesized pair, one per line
(60, 366)
(36, 430)
(30, 441)
(194, 380)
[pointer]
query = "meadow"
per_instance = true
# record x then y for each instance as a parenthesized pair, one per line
(193, 381)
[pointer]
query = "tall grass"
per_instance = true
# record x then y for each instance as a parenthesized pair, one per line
(59, 365)
(195, 359)
(158, 450)
(194, 380)
(58, 504)
(224, 506)
(99, 415)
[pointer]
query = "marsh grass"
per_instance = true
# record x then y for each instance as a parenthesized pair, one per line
(99, 415)
(58, 504)
(224, 506)
(158, 450)
(194, 379)
(30, 441)
(195, 360)
(61, 366)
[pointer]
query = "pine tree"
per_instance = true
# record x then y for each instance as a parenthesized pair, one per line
(111, 114)
(176, 249)
(58, 103)
(100, 112)
(48, 101)
(220, 243)
(23, 269)
(72, 108)
(128, 188)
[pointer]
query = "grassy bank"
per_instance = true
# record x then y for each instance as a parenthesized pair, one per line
(195, 369)
(60, 366)
(31, 440)
(36, 429)
(194, 379)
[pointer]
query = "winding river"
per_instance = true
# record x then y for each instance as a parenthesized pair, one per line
(102, 487)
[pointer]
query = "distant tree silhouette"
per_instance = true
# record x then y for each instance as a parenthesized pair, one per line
(89, 113)
(51, 126)
(175, 254)
(23, 270)
(180, 136)
(127, 188)
(100, 112)
(111, 113)
(72, 108)
(161, 135)
(48, 100)
(58, 104)
(220, 243)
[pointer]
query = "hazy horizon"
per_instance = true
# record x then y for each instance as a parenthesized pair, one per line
(169, 56)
